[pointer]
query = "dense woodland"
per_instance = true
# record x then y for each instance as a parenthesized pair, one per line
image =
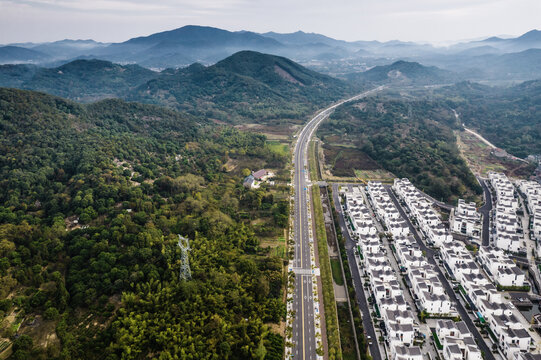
(134, 176)
(508, 117)
(411, 139)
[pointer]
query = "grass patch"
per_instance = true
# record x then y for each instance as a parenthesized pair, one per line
(312, 161)
(375, 175)
(277, 148)
(337, 272)
(342, 160)
(18, 320)
(280, 251)
(437, 341)
(329, 304)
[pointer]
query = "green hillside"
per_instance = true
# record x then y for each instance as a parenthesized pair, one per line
(404, 72)
(247, 86)
(89, 80)
(412, 139)
(509, 117)
(93, 197)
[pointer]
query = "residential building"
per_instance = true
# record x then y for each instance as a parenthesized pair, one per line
(500, 268)
(457, 341)
(465, 219)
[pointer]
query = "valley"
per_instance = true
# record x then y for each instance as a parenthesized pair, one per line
(329, 191)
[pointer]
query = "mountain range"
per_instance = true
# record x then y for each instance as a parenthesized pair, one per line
(246, 85)
(491, 58)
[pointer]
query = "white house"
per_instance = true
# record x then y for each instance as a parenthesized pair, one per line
(458, 343)
(429, 290)
(500, 268)
(532, 191)
(465, 219)
(400, 327)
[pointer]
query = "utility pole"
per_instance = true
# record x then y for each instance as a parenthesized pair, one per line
(185, 271)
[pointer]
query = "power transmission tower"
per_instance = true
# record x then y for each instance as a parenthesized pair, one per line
(185, 271)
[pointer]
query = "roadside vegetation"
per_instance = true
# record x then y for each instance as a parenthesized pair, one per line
(331, 321)
(326, 271)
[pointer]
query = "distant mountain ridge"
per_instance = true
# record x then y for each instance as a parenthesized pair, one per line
(476, 60)
(405, 72)
(16, 54)
(186, 45)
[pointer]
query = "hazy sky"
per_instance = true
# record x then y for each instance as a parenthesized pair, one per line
(415, 20)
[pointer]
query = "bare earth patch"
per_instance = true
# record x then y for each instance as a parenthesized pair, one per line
(481, 160)
(286, 76)
(42, 331)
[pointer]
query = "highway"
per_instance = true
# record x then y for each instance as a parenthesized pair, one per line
(304, 338)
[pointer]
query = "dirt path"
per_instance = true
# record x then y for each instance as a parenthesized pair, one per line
(480, 138)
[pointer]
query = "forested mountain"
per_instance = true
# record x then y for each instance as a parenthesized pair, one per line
(245, 86)
(80, 80)
(89, 80)
(412, 139)
(16, 75)
(93, 197)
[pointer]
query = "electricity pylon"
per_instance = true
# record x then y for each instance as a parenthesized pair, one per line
(185, 271)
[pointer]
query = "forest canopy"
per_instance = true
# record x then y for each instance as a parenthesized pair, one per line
(93, 199)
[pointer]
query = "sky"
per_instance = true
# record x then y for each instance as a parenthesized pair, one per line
(435, 21)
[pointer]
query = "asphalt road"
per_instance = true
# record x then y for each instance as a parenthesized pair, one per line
(357, 280)
(448, 288)
(485, 211)
(303, 325)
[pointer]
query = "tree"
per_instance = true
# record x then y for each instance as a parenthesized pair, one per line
(23, 342)
(51, 313)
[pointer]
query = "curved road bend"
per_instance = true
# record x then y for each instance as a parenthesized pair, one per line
(303, 325)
